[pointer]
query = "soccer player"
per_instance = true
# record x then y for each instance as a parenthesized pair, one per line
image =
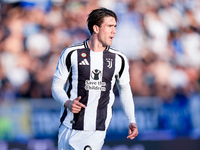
(83, 83)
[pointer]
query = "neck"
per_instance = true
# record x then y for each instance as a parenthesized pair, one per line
(95, 45)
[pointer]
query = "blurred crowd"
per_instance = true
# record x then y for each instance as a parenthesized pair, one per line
(161, 39)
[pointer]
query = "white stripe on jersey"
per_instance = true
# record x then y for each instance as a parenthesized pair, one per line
(94, 96)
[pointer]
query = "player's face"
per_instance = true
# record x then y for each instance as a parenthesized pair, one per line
(107, 31)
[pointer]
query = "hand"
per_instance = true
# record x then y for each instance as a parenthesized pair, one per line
(74, 105)
(133, 131)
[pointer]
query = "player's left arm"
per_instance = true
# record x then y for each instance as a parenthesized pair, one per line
(126, 99)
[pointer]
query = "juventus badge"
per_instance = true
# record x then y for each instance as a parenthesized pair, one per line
(109, 60)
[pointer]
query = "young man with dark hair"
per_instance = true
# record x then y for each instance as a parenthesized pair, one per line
(83, 83)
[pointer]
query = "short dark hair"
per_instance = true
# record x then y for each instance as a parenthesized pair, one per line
(96, 17)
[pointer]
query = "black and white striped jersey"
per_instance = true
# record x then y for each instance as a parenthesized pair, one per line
(91, 75)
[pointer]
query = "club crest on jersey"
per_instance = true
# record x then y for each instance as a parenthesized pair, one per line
(96, 74)
(83, 54)
(109, 60)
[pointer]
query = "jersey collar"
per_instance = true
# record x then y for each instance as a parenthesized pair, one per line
(86, 45)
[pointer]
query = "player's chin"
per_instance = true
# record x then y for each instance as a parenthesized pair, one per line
(109, 43)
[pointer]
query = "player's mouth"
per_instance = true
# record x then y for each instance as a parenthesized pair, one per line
(111, 37)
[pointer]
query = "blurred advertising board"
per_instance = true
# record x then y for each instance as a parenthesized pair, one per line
(45, 118)
(15, 121)
(27, 119)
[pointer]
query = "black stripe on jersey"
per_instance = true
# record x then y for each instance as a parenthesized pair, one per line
(122, 66)
(83, 75)
(107, 48)
(85, 44)
(108, 72)
(63, 116)
(68, 60)
(68, 64)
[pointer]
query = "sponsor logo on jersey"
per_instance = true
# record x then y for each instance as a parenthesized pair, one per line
(96, 74)
(109, 60)
(84, 62)
(95, 85)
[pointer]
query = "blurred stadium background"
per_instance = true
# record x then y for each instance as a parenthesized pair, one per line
(161, 39)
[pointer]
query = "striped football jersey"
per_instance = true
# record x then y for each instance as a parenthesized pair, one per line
(91, 75)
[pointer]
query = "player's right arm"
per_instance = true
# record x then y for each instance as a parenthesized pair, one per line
(60, 79)
(59, 82)
(60, 95)
(58, 91)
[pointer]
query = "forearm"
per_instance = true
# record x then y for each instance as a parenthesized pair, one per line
(127, 102)
(58, 91)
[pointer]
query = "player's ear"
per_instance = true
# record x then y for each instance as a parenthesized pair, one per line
(96, 29)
